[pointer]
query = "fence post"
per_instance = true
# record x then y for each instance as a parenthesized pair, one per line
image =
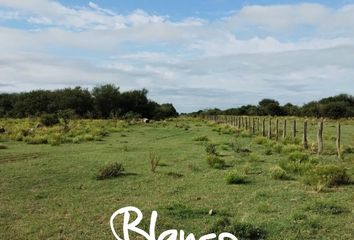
(258, 125)
(338, 139)
(270, 128)
(284, 129)
(253, 126)
(304, 136)
(249, 125)
(294, 129)
(263, 128)
(320, 137)
(277, 129)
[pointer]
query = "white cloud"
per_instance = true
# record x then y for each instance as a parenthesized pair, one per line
(193, 62)
(288, 18)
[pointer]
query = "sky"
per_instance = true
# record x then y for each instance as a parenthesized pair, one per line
(195, 54)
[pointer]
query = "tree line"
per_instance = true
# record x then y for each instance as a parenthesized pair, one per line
(339, 106)
(105, 101)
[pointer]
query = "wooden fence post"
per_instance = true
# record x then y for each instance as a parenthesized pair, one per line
(304, 136)
(284, 129)
(239, 122)
(338, 139)
(277, 129)
(258, 125)
(320, 137)
(270, 128)
(263, 128)
(253, 126)
(249, 125)
(294, 129)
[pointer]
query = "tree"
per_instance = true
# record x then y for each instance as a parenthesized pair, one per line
(106, 100)
(270, 107)
(165, 111)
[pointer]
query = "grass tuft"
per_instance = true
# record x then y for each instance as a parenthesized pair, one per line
(216, 162)
(235, 178)
(110, 171)
(327, 175)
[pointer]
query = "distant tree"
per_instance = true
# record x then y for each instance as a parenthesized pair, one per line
(165, 111)
(106, 100)
(270, 107)
(311, 109)
(334, 110)
(291, 110)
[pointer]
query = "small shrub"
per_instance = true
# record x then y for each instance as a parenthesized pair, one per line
(254, 157)
(268, 152)
(77, 139)
(201, 139)
(260, 140)
(298, 163)
(215, 162)
(221, 225)
(211, 149)
(49, 119)
(328, 175)
(110, 171)
(235, 178)
(3, 146)
(299, 157)
(247, 231)
(291, 148)
(278, 173)
(278, 147)
(348, 150)
(154, 161)
(54, 141)
(36, 140)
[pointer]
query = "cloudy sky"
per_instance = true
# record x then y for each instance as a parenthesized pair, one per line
(195, 54)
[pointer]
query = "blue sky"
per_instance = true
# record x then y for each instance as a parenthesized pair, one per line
(194, 54)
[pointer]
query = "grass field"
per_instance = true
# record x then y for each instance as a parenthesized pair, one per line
(51, 192)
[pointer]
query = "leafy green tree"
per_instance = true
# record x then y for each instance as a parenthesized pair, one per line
(106, 100)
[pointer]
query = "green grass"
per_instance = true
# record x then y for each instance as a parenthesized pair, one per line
(50, 192)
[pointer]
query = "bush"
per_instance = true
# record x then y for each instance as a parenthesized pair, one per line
(299, 157)
(49, 119)
(247, 231)
(3, 146)
(278, 147)
(291, 148)
(241, 230)
(327, 175)
(110, 171)
(211, 149)
(235, 178)
(278, 173)
(201, 139)
(260, 140)
(215, 162)
(36, 140)
(53, 141)
(268, 152)
(254, 157)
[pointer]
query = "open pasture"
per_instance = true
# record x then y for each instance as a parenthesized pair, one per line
(206, 177)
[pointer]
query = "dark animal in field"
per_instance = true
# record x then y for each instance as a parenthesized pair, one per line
(2, 130)
(146, 120)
